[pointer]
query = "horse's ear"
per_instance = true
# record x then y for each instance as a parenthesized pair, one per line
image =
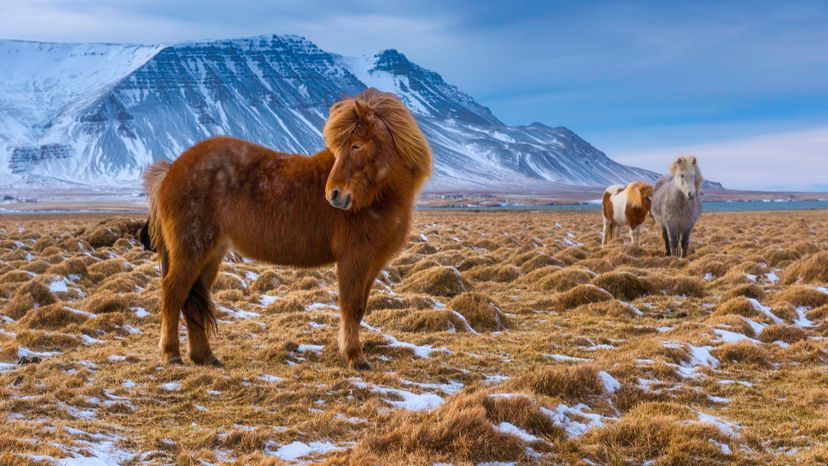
(361, 109)
(692, 159)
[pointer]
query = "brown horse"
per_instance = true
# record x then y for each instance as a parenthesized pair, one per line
(350, 204)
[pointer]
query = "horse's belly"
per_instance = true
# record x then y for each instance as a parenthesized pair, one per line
(283, 240)
(283, 252)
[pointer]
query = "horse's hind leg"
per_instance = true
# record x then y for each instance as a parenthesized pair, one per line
(175, 287)
(197, 311)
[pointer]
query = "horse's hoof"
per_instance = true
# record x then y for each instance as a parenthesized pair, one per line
(173, 361)
(360, 365)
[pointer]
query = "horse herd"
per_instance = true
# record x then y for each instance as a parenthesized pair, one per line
(350, 204)
(674, 202)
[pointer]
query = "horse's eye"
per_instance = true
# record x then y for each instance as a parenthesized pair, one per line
(356, 146)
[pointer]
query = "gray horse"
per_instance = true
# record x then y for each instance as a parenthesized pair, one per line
(677, 204)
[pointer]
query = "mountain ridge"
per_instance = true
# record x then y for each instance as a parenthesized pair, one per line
(114, 108)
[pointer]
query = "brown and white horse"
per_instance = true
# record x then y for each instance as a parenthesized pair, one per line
(626, 206)
(349, 204)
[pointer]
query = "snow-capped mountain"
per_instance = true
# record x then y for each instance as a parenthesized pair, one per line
(99, 113)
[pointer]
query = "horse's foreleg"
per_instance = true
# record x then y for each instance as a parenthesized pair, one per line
(674, 243)
(685, 243)
(634, 235)
(355, 282)
(607, 232)
(666, 236)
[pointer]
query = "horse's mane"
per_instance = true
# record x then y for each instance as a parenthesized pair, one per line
(408, 140)
(637, 192)
(682, 162)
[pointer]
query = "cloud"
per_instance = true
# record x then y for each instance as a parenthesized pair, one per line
(789, 161)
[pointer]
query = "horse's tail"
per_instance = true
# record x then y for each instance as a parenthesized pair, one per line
(198, 309)
(151, 236)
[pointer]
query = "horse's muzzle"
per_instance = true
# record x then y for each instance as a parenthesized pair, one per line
(340, 200)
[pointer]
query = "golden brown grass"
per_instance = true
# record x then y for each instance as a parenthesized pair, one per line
(437, 281)
(811, 269)
(480, 311)
(499, 321)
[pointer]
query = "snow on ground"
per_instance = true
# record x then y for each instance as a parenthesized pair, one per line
(765, 310)
(512, 429)
(297, 449)
(575, 420)
(410, 401)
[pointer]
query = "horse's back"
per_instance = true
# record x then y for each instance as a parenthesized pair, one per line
(266, 204)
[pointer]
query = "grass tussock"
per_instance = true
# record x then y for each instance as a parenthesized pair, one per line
(661, 432)
(524, 412)
(412, 301)
(614, 308)
(266, 281)
(31, 295)
(679, 285)
(73, 266)
(622, 285)
(436, 281)
(42, 340)
(800, 295)
(109, 267)
(458, 431)
(106, 233)
(104, 303)
(810, 269)
(538, 261)
(493, 273)
(579, 382)
(743, 352)
(750, 290)
(472, 262)
(482, 313)
(419, 321)
(533, 278)
(580, 295)
(566, 279)
(51, 317)
(736, 306)
(782, 332)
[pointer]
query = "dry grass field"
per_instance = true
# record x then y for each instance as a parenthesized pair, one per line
(508, 337)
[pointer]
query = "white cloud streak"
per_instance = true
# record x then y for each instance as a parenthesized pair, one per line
(790, 161)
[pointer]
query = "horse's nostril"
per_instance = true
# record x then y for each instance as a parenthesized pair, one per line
(334, 194)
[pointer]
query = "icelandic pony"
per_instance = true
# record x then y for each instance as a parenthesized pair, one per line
(350, 204)
(626, 205)
(677, 204)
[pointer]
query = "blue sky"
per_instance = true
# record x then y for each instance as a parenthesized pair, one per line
(744, 85)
